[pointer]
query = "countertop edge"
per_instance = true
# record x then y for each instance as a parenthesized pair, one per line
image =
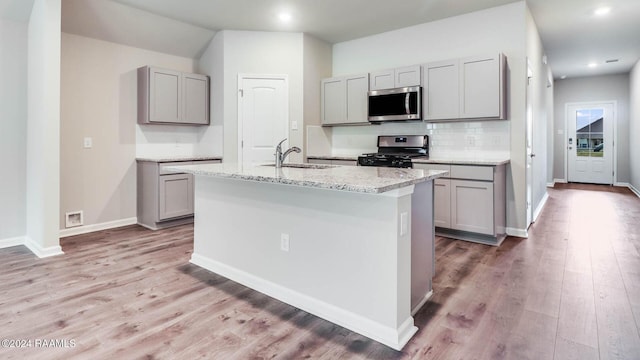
(309, 183)
(160, 159)
(332, 157)
(486, 162)
(496, 162)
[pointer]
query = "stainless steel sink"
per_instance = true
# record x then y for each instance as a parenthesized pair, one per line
(304, 166)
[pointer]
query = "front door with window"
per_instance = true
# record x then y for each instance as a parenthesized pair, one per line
(590, 149)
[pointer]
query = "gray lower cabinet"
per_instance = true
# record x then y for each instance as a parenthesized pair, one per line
(441, 197)
(470, 203)
(175, 196)
(164, 198)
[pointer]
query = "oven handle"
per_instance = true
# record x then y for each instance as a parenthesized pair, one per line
(406, 103)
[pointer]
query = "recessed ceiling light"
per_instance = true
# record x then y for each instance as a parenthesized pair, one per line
(284, 17)
(602, 11)
(592, 65)
(563, 77)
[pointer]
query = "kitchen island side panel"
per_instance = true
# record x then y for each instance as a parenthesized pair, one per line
(348, 261)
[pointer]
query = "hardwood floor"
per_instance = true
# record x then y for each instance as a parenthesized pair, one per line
(569, 291)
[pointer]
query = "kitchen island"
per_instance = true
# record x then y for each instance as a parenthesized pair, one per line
(352, 245)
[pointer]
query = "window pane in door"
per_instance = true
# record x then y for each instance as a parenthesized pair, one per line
(589, 133)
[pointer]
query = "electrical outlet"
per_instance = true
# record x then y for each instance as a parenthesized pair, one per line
(404, 223)
(88, 143)
(471, 140)
(284, 242)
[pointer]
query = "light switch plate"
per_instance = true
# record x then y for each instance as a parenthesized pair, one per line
(284, 242)
(88, 143)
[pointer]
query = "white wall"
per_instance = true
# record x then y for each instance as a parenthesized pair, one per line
(43, 128)
(538, 87)
(13, 129)
(212, 63)
(99, 100)
(317, 58)
(499, 29)
(634, 127)
(252, 52)
(590, 89)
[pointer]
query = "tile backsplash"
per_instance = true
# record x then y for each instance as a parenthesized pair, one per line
(459, 139)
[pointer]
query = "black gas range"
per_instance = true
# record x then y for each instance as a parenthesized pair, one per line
(397, 151)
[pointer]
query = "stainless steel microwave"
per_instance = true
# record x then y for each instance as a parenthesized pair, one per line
(395, 104)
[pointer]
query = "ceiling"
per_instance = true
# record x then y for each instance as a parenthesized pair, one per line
(572, 35)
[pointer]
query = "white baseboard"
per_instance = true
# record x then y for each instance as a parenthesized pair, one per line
(634, 190)
(14, 241)
(41, 252)
(395, 338)
(422, 302)
(517, 232)
(538, 209)
(559, 181)
(551, 184)
(97, 227)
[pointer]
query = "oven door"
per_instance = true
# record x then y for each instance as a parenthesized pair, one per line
(398, 104)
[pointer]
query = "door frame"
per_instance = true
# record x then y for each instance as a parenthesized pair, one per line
(529, 145)
(241, 77)
(614, 104)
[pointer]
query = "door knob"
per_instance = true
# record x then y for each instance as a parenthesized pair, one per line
(533, 155)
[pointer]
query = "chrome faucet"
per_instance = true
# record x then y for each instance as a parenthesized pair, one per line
(281, 156)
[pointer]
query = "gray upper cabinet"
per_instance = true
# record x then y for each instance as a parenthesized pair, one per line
(441, 94)
(344, 100)
(469, 88)
(395, 78)
(482, 84)
(195, 99)
(172, 97)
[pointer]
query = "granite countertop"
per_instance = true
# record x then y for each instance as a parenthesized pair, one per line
(371, 180)
(169, 158)
(432, 160)
(463, 161)
(334, 157)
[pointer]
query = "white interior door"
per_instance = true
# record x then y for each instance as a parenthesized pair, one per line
(590, 150)
(263, 115)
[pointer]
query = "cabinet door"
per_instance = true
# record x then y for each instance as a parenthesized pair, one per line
(383, 79)
(441, 90)
(472, 206)
(442, 203)
(357, 99)
(480, 85)
(333, 98)
(195, 99)
(175, 196)
(407, 76)
(164, 96)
